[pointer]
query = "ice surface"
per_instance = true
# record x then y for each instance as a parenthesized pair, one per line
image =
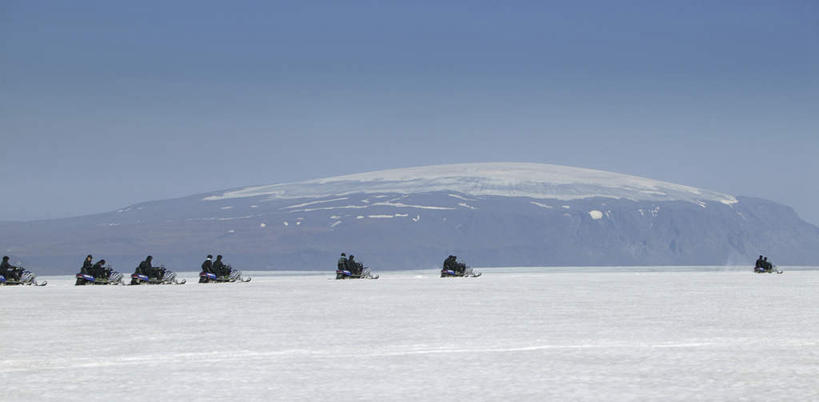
(509, 335)
(533, 180)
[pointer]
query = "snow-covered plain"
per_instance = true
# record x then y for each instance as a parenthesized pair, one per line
(513, 334)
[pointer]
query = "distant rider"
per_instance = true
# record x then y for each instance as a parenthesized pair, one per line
(145, 267)
(207, 268)
(10, 271)
(354, 267)
(342, 265)
(207, 265)
(219, 267)
(87, 266)
(449, 263)
(98, 270)
(767, 265)
(758, 266)
(460, 268)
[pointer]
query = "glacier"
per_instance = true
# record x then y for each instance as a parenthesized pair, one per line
(514, 334)
(533, 180)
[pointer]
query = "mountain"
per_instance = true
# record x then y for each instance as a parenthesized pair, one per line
(489, 214)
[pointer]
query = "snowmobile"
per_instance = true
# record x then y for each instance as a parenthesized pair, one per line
(234, 276)
(468, 272)
(27, 278)
(771, 270)
(366, 273)
(111, 277)
(168, 278)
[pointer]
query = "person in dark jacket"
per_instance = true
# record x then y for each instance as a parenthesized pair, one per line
(145, 267)
(98, 270)
(10, 271)
(353, 266)
(767, 265)
(207, 266)
(449, 263)
(87, 266)
(342, 265)
(219, 267)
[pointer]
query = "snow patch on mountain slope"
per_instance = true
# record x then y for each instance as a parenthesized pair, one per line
(540, 204)
(539, 181)
(305, 204)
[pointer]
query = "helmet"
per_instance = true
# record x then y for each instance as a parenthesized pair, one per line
(210, 256)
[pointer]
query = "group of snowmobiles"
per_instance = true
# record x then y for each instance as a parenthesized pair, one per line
(349, 268)
(145, 273)
(100, 273)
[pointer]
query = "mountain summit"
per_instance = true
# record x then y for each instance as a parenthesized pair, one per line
(533, 180)
(489, 214)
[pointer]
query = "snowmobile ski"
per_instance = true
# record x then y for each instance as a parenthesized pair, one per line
(467, 273)
(365, 274)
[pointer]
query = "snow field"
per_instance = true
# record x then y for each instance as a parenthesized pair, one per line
(509, 335)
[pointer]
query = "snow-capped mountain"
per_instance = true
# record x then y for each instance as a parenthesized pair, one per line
(539, 181)
(489, 214)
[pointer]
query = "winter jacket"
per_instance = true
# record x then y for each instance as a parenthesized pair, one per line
(219, 268)
(98, 270)
(145, 268)
(207, 266)
(87, 267)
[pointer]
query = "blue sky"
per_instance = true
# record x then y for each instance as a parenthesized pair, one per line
(103, 104)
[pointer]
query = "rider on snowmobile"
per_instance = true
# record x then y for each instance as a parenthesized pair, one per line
(766, 265)
(207, 265)
(207, 268)
(10, 271)
(98, 270)
(145, 267)
(342, 266)
(451, 263)
(355, 268)
(342, 262)
(219, 267)
(87, 266)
